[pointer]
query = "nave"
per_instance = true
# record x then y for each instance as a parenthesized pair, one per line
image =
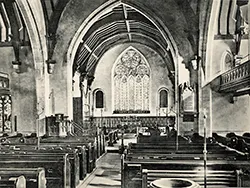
(126, 160)
(108, 167)
(76, 75)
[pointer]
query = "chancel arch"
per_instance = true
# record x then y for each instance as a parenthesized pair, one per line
(131, 83)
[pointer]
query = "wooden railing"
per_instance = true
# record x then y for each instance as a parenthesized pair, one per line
(113, 121)
(76, 129)
(236, 78)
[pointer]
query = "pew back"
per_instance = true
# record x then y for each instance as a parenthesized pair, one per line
(214, 178)
(35, 177)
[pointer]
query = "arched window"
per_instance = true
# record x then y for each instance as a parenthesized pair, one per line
(131, 78)
(228, 61)
(163, 98)
(99, 99)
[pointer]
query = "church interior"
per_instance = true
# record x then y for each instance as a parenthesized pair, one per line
(124, 93)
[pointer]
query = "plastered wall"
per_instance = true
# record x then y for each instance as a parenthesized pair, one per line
(22, 88)
(159, 77)
(224, 116)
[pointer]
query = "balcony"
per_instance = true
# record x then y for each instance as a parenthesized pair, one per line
(234, 79)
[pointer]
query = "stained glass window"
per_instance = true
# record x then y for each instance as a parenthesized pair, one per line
(131, 83)
(5, 113)
(5, 104)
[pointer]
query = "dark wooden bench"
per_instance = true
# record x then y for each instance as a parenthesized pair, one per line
(181, 149)
(17, 182)
(35, 177)
(57, 167)
(97, 141)
(159, 139)
(87, 155)
(89, 148)
(82, 152)
(72, 155)
(188, 157)
(214, 178)
(132, 169)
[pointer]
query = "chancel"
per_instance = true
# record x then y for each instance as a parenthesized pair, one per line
(124, 93)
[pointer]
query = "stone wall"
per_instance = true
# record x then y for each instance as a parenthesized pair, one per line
(22, 88)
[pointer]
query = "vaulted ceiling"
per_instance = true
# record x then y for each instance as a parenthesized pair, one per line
(122, 24)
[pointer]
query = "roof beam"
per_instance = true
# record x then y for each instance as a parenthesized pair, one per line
(128, 29)
(91, 51)
(125, 12)
(106, 45)
(87, 48)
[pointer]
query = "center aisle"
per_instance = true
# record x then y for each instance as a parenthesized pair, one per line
(108, 168)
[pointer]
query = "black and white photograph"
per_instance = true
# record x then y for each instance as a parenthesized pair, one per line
(124, 93)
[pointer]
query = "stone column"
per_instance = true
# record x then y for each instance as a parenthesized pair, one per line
(42, 92)
(85, 96)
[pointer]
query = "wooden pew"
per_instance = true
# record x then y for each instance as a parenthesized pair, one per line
(18, 182)
(189, 156)
(171, 145)
(131, 169)
(35, 177)
(57, 167)
(214, 178)
(81, 151)
(72, 155)
(187, 148)
(97, 141)
(166, 157)
(190, 150)
(89, 148)
(160, 139)
(71, 142)
(18, 139)
(82, 155)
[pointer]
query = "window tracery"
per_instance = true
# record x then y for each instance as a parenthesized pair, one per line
(131, 84)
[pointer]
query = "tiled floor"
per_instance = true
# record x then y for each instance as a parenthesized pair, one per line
(108, 168)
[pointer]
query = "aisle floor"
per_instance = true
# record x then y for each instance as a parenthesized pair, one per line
(108, 168)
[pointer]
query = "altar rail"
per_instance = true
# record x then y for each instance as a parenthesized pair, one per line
(112, 122)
